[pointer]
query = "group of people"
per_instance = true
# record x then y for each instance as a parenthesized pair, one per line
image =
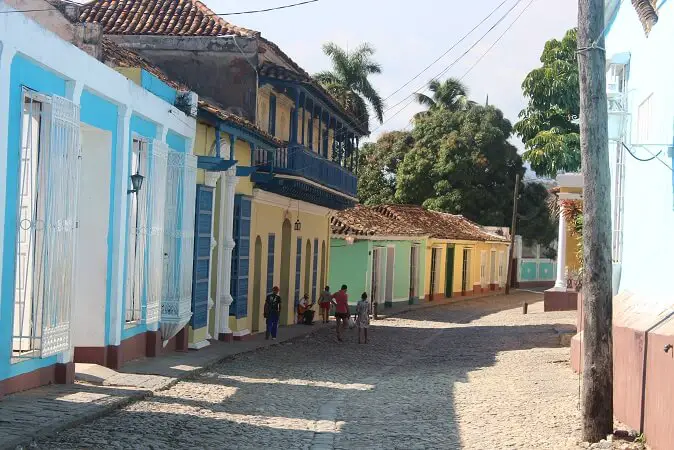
(305, 314)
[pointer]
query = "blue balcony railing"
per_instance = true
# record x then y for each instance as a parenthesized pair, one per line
(312, 166)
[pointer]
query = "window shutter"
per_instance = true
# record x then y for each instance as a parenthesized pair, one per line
(272, 115)
(314, 279)
(240, 257)
(154, 259)
(202, 255)
(62, 168)
(298, 269)
(271, 244)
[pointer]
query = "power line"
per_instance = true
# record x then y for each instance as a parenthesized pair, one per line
(237, 13)
(497, 40)
(448, 50)
(446, 69)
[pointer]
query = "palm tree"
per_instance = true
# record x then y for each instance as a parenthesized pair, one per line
(348, 80)
(451, 94)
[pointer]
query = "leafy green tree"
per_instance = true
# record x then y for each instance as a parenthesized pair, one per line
(535, 222)
(348, 80)
(462, 163)
(547, 125)
(378, 165)
(451, 94)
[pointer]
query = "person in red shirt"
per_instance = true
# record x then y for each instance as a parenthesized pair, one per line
(341, 301)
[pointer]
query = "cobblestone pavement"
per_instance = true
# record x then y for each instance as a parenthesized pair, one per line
(475, 375)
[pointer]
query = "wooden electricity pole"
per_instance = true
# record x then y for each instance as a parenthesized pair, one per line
(509, 275)
(597, 286)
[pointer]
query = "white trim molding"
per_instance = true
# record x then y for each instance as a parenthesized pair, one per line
(289, 204)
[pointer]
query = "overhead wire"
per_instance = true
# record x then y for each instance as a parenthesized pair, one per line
(236, 13)
(446, 69)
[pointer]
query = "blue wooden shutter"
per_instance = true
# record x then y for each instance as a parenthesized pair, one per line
(240, 257)
(202, 255)
(314, 277)
(271, 244)
(272, 115)
(298, 269)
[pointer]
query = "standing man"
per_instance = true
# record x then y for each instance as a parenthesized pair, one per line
(341, 302)
(272, 312)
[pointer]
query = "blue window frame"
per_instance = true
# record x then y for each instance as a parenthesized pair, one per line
(272, 115)
(271, 244)
(202, 255)
(240, 256)
(298, 269)
(314, 275)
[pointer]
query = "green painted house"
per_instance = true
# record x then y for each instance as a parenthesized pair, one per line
(383, 258)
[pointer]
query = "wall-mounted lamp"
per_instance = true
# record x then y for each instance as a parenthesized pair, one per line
(298, 224)
(136, 183)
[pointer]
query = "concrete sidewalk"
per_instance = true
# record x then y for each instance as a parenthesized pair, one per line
(44, 411)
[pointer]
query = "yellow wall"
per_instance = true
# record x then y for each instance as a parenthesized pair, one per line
(572, 260)
(475, 250)
(284, 107)
(268, 219)
(132, 73)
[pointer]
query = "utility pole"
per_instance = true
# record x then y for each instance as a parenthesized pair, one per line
(509, 275)
(597, 266)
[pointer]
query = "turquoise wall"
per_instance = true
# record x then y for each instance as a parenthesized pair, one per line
(23, 73)
(157, 87)
(348, 265)
(103, 114)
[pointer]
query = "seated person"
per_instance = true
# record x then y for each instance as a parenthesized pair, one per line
(304, 312)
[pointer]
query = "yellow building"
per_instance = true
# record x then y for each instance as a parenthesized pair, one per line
(563, 296)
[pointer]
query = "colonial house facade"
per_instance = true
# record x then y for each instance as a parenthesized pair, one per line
(86, 155)
(294, 169)
(403, 253)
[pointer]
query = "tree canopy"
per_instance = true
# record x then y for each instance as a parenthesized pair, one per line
(348, 80)
(451, 94)
(456, 160)
(547, 124)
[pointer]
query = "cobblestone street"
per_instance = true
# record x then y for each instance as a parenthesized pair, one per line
(475, 375)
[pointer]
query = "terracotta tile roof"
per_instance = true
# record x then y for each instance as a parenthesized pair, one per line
(408, 220)
(233, 118)
(368, 221)
(116, 56)
(163, 17)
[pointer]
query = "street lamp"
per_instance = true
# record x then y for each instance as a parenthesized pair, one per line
(136, 183)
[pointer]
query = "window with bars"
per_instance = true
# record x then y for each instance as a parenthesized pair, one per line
(136, 240)
(434, 270)
(314, 276)
(483, 268)
(298, 270)
(48, 173)
(271, 243)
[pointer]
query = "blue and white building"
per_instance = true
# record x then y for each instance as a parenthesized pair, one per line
(94, 266)
(640, 86)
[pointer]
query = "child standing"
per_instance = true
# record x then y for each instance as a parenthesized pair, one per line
(363, 312)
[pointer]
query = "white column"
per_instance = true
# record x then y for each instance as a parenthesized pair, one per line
(561, 252)
(6, 56)
(119, 229)
(211, 180)
(226, 246)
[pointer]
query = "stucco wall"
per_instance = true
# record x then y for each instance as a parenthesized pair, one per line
(648, 207)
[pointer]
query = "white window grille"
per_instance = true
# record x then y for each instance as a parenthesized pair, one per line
(644, 119)
(156, 192)
(46, 221)
(414, 271)
(178, 242)
(137, 238)
(466, 268)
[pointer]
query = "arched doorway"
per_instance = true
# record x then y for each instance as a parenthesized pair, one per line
(307, 270)
(258, 294)
(288, 304)
(324, 265)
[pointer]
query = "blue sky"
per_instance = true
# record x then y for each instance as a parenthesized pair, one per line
(410, 35)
